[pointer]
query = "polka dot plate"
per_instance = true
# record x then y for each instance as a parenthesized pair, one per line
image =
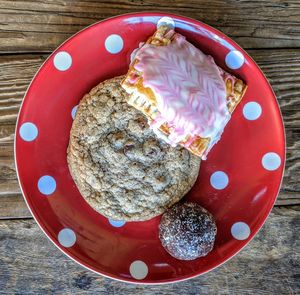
(238, 182)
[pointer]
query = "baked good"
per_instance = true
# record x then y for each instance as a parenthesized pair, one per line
(186, 97)
(119, 165)
(187, 231)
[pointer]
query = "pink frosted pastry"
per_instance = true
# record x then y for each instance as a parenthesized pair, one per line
(187, 98)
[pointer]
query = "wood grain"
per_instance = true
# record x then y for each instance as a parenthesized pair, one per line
(29, 30)
(268, 265)
(40, 26)
(282, 67)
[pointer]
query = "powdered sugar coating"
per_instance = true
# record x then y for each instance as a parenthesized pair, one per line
(187, 231)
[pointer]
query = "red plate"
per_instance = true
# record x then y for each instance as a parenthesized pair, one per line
(238, 183)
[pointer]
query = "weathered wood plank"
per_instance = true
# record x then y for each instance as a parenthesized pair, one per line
(282, 67)
(268, 265)
(13, 206)
(40, 26)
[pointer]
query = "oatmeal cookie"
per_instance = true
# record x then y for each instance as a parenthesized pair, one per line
(118, 164)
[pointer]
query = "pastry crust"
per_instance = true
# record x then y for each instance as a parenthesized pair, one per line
(144, 99)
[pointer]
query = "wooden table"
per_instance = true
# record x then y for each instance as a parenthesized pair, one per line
(268, 30)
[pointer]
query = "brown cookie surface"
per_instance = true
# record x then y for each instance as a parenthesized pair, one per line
(118, 164)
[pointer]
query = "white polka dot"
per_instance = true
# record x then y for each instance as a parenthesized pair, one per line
(47, 185)
(67, 237)
(252, 110)
(234, 59)
(28, 131)
(219, 180)
(240, 231)
(62, 61)
(271, 161)
(114, 44)
(166, 21)
(116, 223)
(138, 269)
(73, 112)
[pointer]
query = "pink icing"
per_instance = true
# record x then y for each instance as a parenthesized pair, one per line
(190, 91)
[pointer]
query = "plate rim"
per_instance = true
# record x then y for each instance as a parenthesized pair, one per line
(132, 280)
